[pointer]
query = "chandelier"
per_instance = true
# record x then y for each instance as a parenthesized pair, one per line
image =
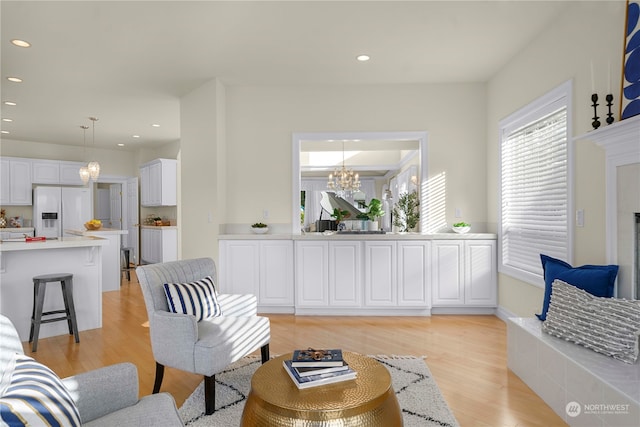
(94, 166)
(344, 181)
(84, 170)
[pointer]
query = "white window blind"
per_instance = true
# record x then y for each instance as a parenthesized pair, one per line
(534, 190)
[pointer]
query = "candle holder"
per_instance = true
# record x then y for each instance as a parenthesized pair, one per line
(610, 118)
(595, 123)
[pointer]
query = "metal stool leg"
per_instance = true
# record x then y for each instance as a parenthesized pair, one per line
(39, 303)
(33, 311)
(70, 308)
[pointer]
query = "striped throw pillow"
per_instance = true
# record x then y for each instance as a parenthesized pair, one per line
(32, 394)
(196, 298)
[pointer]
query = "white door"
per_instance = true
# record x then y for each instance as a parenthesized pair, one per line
(133, 220)
(103, 205)
(115, 202)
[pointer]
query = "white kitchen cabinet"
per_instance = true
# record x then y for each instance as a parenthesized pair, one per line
(158, 183)
(464, 273)
(45, 171)
(328, 274)
(345, 266)
(15, 184)
(447, 272)
(312, 274)
(70, 173)
(144, 186)
(159, 244)
(262, 268)
(414, 261)
(239, 267)
(481, 275)
(56, 172)
(381, 284)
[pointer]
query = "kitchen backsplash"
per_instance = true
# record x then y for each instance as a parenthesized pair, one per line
(25, 212)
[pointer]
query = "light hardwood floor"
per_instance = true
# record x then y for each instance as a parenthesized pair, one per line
(466, 354)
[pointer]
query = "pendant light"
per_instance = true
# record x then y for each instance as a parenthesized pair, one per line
(84, 170)
(94, 166)
(344, 181)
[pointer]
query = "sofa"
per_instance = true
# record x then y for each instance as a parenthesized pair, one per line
(103, 397)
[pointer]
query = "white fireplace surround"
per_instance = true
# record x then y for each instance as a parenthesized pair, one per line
(621, 142)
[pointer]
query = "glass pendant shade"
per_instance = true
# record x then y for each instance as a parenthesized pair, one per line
(94, 170)
(84, 174)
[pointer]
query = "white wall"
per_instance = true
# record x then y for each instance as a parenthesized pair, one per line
(261, 121)
(201, 203)
(587, 32)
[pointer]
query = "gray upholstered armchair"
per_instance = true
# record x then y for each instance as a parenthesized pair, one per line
(103, 397)
(203, 347)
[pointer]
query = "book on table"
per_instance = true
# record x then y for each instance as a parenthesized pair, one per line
(305, 372)
(319, 379)
(311, 358)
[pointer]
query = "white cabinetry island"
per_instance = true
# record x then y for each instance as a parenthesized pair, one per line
(368, 274)
(111, 267)
(20, 262)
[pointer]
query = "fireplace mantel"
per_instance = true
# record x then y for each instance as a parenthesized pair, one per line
(621, 142)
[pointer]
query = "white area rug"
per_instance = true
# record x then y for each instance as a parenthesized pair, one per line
(418, 394)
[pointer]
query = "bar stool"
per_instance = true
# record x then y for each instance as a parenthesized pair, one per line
(125, 266)
(39, 286)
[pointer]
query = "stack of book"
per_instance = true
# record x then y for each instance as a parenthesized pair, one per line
(311, 368)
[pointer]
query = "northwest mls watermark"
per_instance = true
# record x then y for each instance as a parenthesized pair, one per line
(574, 409)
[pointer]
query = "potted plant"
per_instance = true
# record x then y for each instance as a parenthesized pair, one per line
(375, 211)
(339, 215)
(259, 228)
(406, 213)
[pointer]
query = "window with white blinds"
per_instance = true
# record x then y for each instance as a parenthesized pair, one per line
(535, 186)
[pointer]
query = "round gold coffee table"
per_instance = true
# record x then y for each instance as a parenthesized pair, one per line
(369, 400)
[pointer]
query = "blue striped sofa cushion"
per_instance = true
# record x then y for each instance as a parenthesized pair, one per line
(32, 394)
(195, 298)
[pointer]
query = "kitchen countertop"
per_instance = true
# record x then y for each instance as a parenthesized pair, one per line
(64, 242)
(172, 227)
(96, 232)
(17, 229)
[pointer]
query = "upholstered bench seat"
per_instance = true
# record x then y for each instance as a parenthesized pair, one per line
(560, 372)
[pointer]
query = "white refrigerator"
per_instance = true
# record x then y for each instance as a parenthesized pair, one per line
(56, 209)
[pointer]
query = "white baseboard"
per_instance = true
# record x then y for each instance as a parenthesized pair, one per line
(503, 314)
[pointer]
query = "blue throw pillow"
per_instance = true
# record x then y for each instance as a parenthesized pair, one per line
(598, 280)
(196, 298)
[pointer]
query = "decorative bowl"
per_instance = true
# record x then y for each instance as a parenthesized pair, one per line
(260, 230)
(461, 230)
(92, 227)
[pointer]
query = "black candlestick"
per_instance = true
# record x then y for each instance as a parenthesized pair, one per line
(595, 123)
(609, 104)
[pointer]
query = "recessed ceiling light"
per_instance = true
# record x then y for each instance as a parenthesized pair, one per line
(135, 136)
(363, 58)
(15, 79)
(155, 125)
(4, 131)
(120, 144)
(7, 120)
(10, 103)
(20, 43)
